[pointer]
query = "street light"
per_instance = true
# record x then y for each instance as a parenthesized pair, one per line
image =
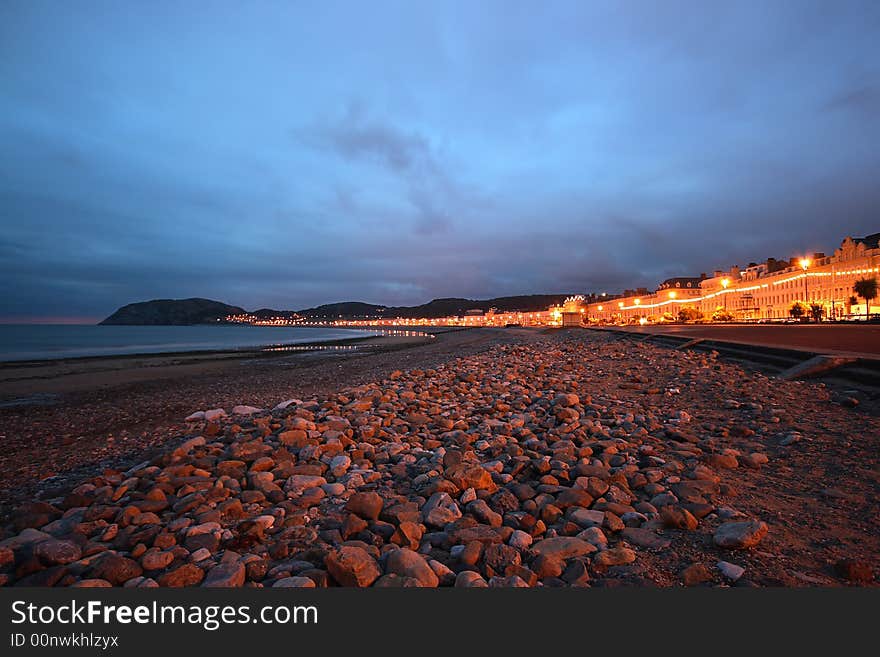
(805, 264)
(724, 283)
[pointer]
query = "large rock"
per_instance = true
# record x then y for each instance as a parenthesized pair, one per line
(366, 505)
(53, 552)
(618, 556)
(645, 538)
(562, 547)
(470, 580)
(470, 475)
(406, 563)
(352, 566)
(116, 569)
(186, 575)
(226, 575)
(740, 535)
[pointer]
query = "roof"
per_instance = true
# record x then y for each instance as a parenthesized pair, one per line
(681, 281)
(870, 241)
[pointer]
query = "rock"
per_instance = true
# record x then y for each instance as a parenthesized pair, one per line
(339, 465)
(92, 584)
(729, 570)
(514, 581)
(586, 517)
(408, 534)
(225, 575)
(245, 410)
(562, 547)
(499, 557)
(116, 569)
(406, 563)
(594, 536)
(644, 538)
(53, 552)
(186, 575)
(352, 566)
(678, 518)
(215, 414)
(198, 416)
(395, 581)
(365, 505)
(576, 573)
(294, 583)
(443, 572)
(155, 559)
(566, 400)
(740, 535)
(695, 574)
(469, 475)
(754, 460)
(520, 540)
(469, 579)
(618, 556)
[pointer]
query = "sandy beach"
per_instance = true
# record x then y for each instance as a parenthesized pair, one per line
(487, 457)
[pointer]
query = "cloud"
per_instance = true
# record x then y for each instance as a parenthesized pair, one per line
(396, 155)
(434, 195)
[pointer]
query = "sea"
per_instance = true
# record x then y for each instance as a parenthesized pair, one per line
(21, 342)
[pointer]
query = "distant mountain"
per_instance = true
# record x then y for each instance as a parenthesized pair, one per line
(201, 311)
(174, 312)
(435, 308)
(345, 309)
(269, 313)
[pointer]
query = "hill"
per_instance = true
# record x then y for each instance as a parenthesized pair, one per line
(435, 308)
(178, 312)
(171, 312)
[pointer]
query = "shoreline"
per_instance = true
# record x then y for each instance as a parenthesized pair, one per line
(231, 351)
(83, 421)
(22, 379)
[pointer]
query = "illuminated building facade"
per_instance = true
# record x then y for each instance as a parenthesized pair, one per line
(760, 291)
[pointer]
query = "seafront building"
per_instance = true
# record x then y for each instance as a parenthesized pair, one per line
(760, 291)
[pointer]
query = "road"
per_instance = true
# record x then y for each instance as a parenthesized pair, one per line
(821, 338)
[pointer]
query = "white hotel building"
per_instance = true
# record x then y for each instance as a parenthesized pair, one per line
(761, 291)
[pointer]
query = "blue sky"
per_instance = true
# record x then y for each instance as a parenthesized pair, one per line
(293, 153)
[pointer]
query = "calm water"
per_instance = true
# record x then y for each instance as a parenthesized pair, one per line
(37, 342)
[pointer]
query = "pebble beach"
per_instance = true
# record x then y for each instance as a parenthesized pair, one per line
(568, 458)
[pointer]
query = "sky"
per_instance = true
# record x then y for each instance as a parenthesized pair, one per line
(295, 153)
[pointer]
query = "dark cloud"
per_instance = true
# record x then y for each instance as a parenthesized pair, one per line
(449, 150)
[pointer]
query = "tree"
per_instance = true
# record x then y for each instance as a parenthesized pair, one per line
(867, 289)
(721, 314)
(850, 303)
(689, 314)
(816, 311)
(797, 310)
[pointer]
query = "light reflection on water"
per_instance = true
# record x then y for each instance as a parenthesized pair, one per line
(348, 347)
